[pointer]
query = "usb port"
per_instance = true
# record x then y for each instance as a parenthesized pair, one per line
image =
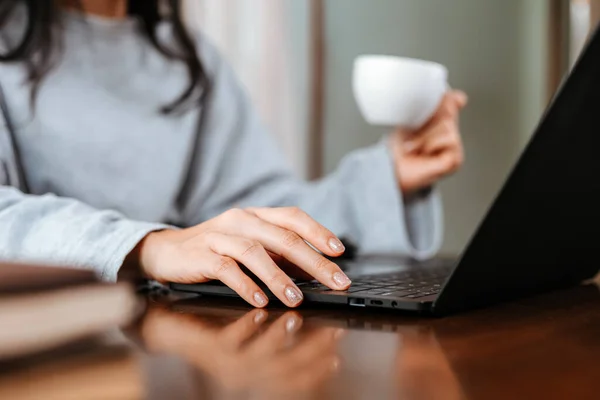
(357, 302)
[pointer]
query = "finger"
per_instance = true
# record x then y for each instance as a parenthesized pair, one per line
(448, 111)
(448, 108)
(461, 98)
(439, 144)
(428, 169)
(433, 132)
(447, 138)
(277, 334)
(226, 269)
(292, 247)
(252, 254)
(287, 243)
(437, 166)
(236, 333)
(296, 220)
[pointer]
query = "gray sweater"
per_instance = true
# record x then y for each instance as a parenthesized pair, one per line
(105, 168)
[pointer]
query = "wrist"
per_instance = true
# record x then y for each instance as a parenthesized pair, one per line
(130, 269)
(138, 263)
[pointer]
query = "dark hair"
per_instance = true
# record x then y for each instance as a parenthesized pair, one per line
(41, 44)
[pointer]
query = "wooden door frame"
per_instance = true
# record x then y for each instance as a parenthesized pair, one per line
(595, 14)
(558, 44)
(558, 39)
(316, 116)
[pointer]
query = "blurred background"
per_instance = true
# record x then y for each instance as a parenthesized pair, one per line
(295, 58)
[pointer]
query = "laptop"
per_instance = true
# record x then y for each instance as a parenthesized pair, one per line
(541, 233)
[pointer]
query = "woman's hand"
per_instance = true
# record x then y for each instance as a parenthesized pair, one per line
(425, 156)
(255, 238)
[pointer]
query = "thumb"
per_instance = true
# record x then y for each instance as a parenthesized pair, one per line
(461, 98)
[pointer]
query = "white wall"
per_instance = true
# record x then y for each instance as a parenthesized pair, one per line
(267, 43)
(496, 52)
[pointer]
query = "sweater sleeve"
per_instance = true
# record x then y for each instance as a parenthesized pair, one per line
(362, 202)
(239, 165)
(50, 229)
(55, 230)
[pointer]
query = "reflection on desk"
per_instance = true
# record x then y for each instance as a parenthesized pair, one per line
(545, 346)
(191, 348)
(251, 355)
(74, 373)
(99, 369)
(306, 354)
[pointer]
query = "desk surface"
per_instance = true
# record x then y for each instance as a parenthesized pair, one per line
(543, 347)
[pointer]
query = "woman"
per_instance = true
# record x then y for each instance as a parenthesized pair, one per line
(125, 126)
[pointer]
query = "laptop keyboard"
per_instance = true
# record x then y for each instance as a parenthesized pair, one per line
(409, 284)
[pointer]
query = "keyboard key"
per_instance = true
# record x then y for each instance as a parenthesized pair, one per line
(394, 288)
(316, 287)
(414, 282)
(396, 294)
(415, 296)
(375, 292)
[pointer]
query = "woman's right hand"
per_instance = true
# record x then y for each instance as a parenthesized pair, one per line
(252, 237)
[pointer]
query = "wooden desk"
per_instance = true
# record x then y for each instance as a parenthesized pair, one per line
(544, 347)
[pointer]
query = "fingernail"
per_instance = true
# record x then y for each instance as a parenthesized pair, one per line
(336, 245)
(260, 317)
(292, 324)
(260, 299)
(293, 295)
(341, 279)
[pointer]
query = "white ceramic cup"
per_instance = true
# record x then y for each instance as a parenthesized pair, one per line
(398, 92)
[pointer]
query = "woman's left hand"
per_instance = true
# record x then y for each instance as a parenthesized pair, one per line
(433, 152)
